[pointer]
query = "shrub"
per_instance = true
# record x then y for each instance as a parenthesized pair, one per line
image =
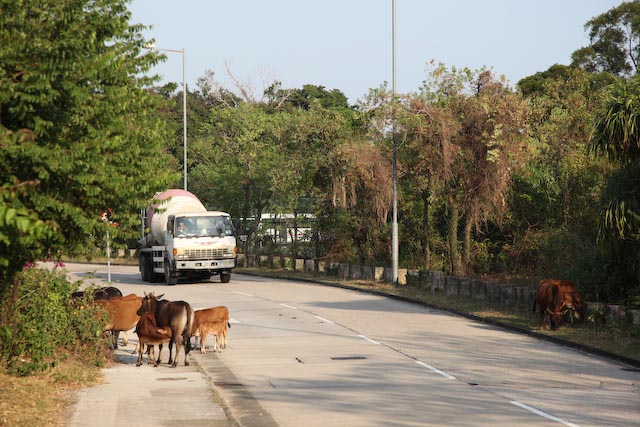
(41, 319)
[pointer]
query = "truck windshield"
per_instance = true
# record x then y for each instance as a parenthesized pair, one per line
(199, 226)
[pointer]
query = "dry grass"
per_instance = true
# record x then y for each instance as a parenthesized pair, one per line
(43, 400)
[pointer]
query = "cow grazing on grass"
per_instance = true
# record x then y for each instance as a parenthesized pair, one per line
(574, 306)
(174, 315)
(150, 334)
(558, 300)
(122, 315)
(216, 315)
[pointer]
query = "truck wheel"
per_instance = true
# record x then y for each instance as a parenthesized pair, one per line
(142, 264)
(225, 277)
(170, 281)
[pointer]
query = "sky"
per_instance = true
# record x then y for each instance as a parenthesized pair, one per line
(347, 44)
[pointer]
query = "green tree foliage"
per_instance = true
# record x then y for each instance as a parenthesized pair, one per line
(614, 42)
(554, 203)
(303, 98)
(616, 135)
(79, 132)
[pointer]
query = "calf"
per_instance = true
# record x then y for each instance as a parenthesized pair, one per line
(212, 315)
(204, 329)
(150, 334)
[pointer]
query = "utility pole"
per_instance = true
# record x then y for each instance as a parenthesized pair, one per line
(394, 227)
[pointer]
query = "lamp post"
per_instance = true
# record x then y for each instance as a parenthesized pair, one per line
(394, 226)
(184, 104)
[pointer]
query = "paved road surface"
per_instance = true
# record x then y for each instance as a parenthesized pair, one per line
(308, 355)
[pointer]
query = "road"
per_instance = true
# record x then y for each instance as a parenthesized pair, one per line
(309, 355)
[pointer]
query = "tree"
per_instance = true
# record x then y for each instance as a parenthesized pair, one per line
(616, 135)
(466, 145)
(614, 42)
(79, 132)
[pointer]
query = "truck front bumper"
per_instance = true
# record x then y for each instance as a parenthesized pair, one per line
(210, 264)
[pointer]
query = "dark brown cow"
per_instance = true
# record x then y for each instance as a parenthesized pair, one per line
(174, 315)
(150, 334)
(104, 293)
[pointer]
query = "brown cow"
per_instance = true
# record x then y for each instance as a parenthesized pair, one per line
(549, 301)
(217, 329)
(174, 315)
(122, 314)
(572, 300)
(557, 300)
(150, 334)
(212, 315)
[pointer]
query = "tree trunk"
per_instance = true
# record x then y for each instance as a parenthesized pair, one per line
(454, 254)
(466, 248)
(426, 233)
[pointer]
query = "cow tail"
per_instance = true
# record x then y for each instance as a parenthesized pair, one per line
(187, 331)
(533, 309)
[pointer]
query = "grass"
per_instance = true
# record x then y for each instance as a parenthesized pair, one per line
(44, 400)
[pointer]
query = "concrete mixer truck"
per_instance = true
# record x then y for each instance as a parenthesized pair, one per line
(181, 239)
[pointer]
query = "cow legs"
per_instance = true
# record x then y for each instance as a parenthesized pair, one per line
(171, 353)
(125, 339)
(140, 351)
(159, 354)
(203, 341)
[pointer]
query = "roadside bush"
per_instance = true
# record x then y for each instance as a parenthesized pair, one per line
(41, 323)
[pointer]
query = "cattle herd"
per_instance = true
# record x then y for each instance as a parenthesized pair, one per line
(158, 321)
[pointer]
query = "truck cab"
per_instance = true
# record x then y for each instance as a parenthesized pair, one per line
(199, 245)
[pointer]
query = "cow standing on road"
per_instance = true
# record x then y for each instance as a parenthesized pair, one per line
(150, 334)
(174, 315)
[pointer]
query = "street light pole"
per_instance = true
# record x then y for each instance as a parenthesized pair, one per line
(184, 115)
(184, 104)
(394, 226)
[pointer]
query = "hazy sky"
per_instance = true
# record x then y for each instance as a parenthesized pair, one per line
(346, 44)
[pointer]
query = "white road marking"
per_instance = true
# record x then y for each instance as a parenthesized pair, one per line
(369, 339)
(436, 370)
(324, 320)
(543, 414)
(288, 306)
(232, 320)
(242, 293)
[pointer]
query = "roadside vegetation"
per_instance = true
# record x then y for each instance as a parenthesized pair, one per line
(50, 345)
